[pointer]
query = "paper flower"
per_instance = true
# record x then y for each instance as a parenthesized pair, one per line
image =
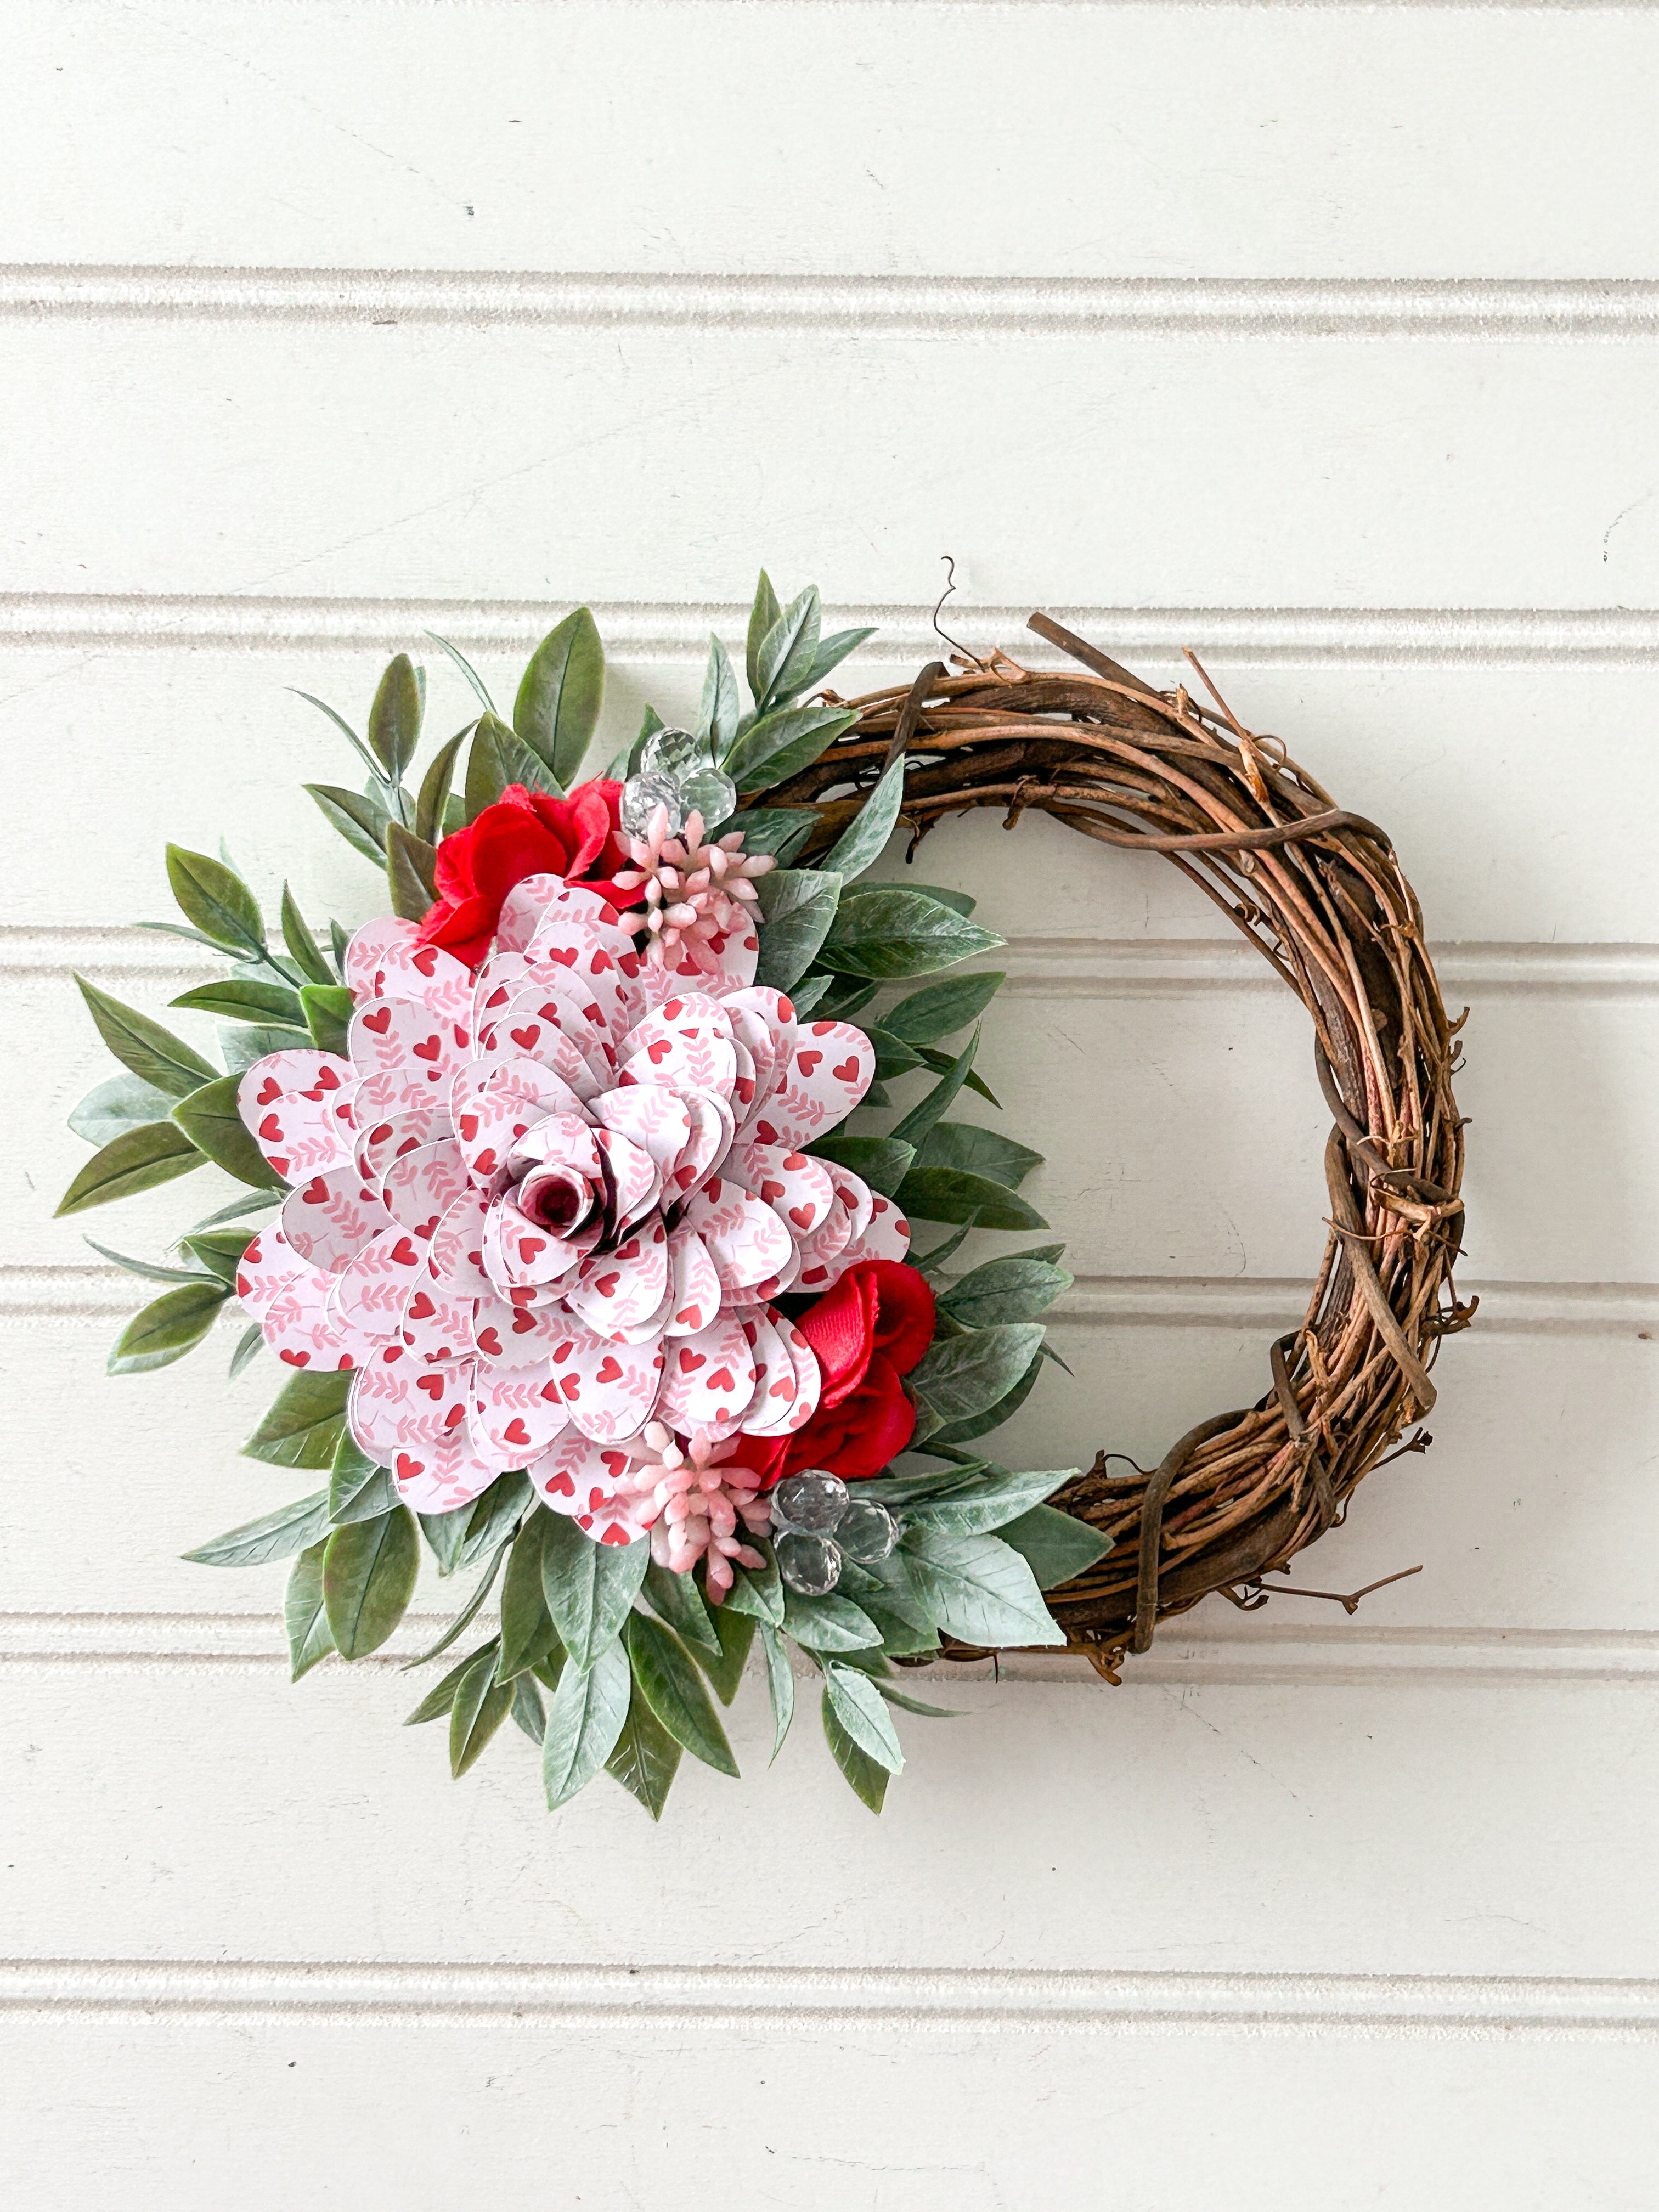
(538, 1211)
(693, 893)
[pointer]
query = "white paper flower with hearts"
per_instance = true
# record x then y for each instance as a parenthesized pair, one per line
(537, 1210)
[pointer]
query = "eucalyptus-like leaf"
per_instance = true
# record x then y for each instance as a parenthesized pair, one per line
(780, 1685)
(148, 1268)
(805, 994)
(305, 1616)
(882, 1162)
(867, 1779)
(445, 1534)
(394, 719)
(244, 1202)
(646, 1757)
(481, 1705)
(368, 1578)
(359, 1488)
(361, 823)
(865, 838)
(140, 1159)
(153, 1055)
(857, 1704)
(788, 652)
(961, 902)
(303, 948)
(980, 1588)
(962, 1375)
(167, 1329)
(783, 743)
(209, 1118)
(894, 1057)
(778, 831)
(798, 907)
(763, 615)
(584, 1721)
(304, 1426)
(915, 1127)
(721, 706)
(941, 1009)
(557, 707)
(275, 1535)
(589, 1587)
(434, 795)
(931, 1261)
(118, 1104)
(213, 899)
(674, 1690)
(326, 1010)
(410, 872)
(480, 690)
(240, 1000)
(882, 933)
(948, 1194)
(464, 1619)
(1056, 1546)
(828, 1623)
(495, 1514)
(677, 1600)
(439, 1700)
(527, 1630)
(1015, 1289)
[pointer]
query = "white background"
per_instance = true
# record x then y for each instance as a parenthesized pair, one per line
(1322, 339)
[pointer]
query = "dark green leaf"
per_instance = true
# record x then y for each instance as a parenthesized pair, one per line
(439, 1700)
(941, 1009)
(166, 1330)
(646, 1758)
(115, 1106)
(930, 1263)
(358, 1488)
(244, 1202)
(762, 616)
(148, 1268)
(557, 709)
(138, 1161)
(153, 1055)
(856, 1702)
(805, 994)
(846, 997)
(304, 1426)
(479, 691)
(1056, 1546)
(674, 1690)
(717, 716)
(304, 1615)
(798, 906)
(237, 1000)
(410, 867)
(865, 838)
(1015, 1289)
(947, 1194)
(435, 790)
(788, 652)
(960, 1376)
(394, 719)
(527, 1630)
(368, 1578)
(893, 1056)
(780, 1684)
(780, 830)
(585, 1720)
(589, 1587)
(780, 745)
(736, 1632)
(980, 1425)
(828, 1623)
(327, 1014)
(867, 1780)
(882, 932)
(980, 1589)
(881, 1162)
(481, 1705)
(361, 822)
(919, 1121)
(302, 944)
(215, 900)
(209, 1118)
(463, 1619)
(275, 1535)
(677, 1600)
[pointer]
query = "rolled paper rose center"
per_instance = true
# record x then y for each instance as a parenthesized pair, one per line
(557, 1199)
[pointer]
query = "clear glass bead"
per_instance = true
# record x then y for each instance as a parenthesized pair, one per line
(642, 796)
(712, 794)
(866, 1532)
(810, 1564)
(814, 1501)
(674, 754)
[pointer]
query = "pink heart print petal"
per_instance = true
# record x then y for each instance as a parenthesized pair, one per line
(577, 910)
(547, 1047)
(298, 1106)
(366, 1299)
(520, 1254)
(655, 1120)
(457, 1250)
(439, 1478)
(517, 1411)
(371, 946)
(832, 1068)
(798, 1190)
(709, 1380)
(610, 1389)
(267, 1262)
(635, 1176)
(379, 1143)
(589, 1482)
(694, 1286)
(398, 1402)
(507, 1335)
(328, 1219)
(424, 974)
(420, 1189)
(552, 995)
(298, 1329)
(690, 1054)
(746, 1241)
(415, 1052)
(886, 1237)
(616, 1292)
(435, 1325)
(809, 1382)
(755, 1027)
(777, 1383)
(712, 1127)
(719, 963)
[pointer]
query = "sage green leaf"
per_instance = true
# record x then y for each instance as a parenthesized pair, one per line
(930, 1263)
(1015, 1289)
(763, 615)
(983, 1503)
(439, 1700)
(359, 1488)
(305, 1616)
(780, 1685)
(326, 1010)
(798, 906)
(209, 1118)
(677, 1600)
(846, 996)
(303, 947)
(780, 830)
(344, 728)
(674, 1690)
(496, 1513)
(901, 1638)
(527, 1630)
(166, 1330)
(245, 1202)
(882, 932)
(529, 1713)
(153, 1153)
(974, 1151)
(959, 1376)
(585, 1720)
(782, 744)
(410, 867)
(557, 709)
(948, 1194)
(275, 1535)
(980, 1425)
(867, 1780)
(757, 1591)
(646, 1758)
(148, 1268)
(433, 794)
(865, 838)
(339, 941)
(589, 1587)
(237, 1000)
(919, 1122)
(718, 715)
(480, 692)
(118, 1104)
(481, 1705)
(368, 1578)
(832, 651)
(445, 1534)
(240, 1045)
(394, 719)
(499, 758)
(980, 1589)
(856, 1702)
(805, 994)
(304, 1427)
(361, 822)
(1056, 1546)
(908, 1704)
(961, 902)
(788, 652)
(217, 900)
(881, 1162)
(249, 1345)
(828, 1623)
(463, 1619)
(153, 1055)
(736, 1632)
(893, 1056)
(941, 1009)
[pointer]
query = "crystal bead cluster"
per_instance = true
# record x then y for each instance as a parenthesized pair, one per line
(819, 1523)
(678, 771)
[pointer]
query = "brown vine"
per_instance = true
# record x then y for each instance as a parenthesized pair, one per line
(1320, 893)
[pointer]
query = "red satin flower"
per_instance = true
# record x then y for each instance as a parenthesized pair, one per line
(525, 833)
(870, 1329)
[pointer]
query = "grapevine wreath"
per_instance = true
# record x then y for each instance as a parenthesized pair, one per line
(573, 1269)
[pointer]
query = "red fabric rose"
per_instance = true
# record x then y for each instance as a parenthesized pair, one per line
(870, 1329)
(525, 833)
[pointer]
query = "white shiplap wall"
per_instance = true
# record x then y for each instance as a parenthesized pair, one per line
(1322, 339)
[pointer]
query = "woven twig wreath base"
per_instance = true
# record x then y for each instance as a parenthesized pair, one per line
(1320, 894)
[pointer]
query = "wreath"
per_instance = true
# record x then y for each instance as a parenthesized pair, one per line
(560, 1222)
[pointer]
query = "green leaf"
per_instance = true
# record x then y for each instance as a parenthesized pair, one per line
(119, 1103)
(941, 1009)
(529, 1713)
(557, 709)
(780, 745)
(893, 1056)
(917, 1124)
(138, 1161)
(931, 1263)
(865, 838)
(215, 900)
(981, 1503)
(674, 1690)
(805, 994)
(882, 932)
(527, 1630)
(148, 1268)
(881, 1162)
(828, 1623)
(166, 1330)
(832, 651)
(394, 719)
(589, 1587)
(646, 1758)
(585, 1720)
(434, 791)
(846, 997)
(361, 823)
(780, 1684)
(976, 1151)
(439, 1700)
(445, 1534)
(1055, 1545)
(959, 1376)
(980, 1425)
(980, 1589)
(240, 1045)
(719, 714)
(780, 830)
(344, 728)
(359, 1488)
(327, 1013)
(798, 906)
(304, 1615)
(209, 1118)
(368, 1578)
(410, 870)
(275, 1535)
(249, 1345)
(481, 1705)
(153, 1055)
(736, 1632)
(1015, 1289)
(236, 1000)
(961, 902)
(757, 1592)
(788, 652)
(302, 946)
(947, 1194)
(762, 616)
(245, 1202)
(496, 1513)
(499, 757)
(480, 692)
(304, 1426)
(464, 1619)
(867, 1780)
(677, 1600)
(856, 1702)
